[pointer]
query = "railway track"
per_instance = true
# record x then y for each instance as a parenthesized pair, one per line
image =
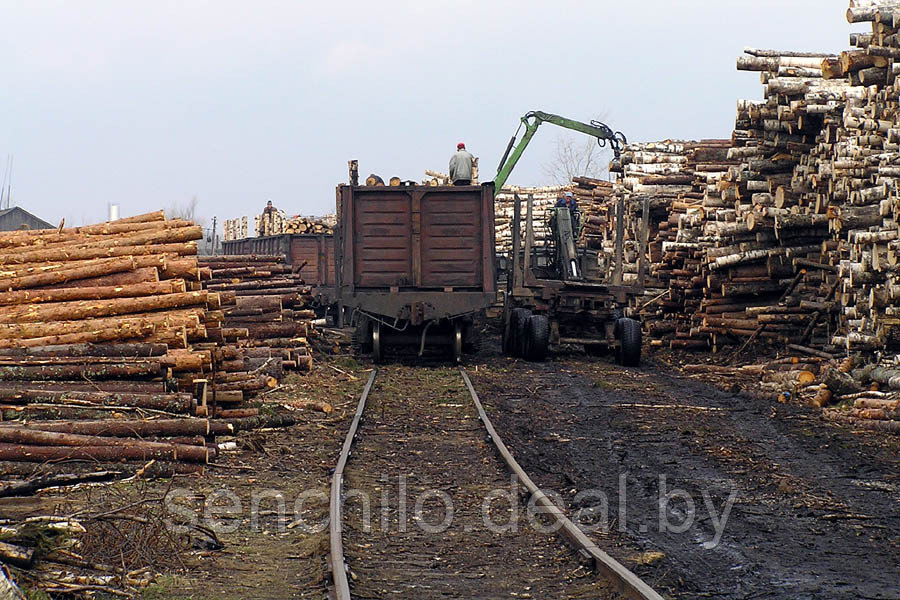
(425, 509)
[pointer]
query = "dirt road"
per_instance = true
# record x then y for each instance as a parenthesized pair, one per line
(814, 509)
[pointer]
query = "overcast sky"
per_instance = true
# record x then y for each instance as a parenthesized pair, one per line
(147, 104)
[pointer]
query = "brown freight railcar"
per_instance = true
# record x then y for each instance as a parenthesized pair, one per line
(417, 263)
(312, 254)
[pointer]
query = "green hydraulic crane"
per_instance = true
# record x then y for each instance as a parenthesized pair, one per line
(532, 120)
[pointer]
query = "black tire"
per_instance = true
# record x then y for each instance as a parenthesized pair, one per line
(629, 333)
(537, 338)
(518, 327)
(362, 335)
(506, 340)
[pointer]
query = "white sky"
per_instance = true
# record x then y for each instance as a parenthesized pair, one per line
(147, 104)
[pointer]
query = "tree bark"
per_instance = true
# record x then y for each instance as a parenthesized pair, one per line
(104, 266)
(142, 451)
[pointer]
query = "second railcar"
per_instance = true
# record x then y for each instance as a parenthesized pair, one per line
(312, 254)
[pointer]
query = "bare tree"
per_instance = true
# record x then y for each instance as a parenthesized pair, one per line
(577, 155)
(576, 158)
(186, 210)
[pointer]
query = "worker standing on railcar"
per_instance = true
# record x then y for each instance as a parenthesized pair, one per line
(461, 166)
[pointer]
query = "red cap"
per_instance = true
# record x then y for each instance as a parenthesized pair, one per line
(460, 146)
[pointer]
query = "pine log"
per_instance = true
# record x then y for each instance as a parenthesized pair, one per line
(17, 556)
(35, 296)
(27, 394)
(78, 249)
(142, 451)
(91, 309)
(35, 484)
(124, 331)
(186, 317)
(133, 350)
(140, 428)
(103, 266)
(148, 368)
(48, 238)
(139, 275)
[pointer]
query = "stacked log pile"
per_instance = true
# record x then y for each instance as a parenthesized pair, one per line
(815, 221)
(310, 225)
(544, 198)
(678, 181)
(236, 229)
(597, 212)
(111, 347)
(276, 222)
(269, 315)
(97, 319)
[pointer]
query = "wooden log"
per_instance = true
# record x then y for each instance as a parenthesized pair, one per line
(27, 394)
(133, 350)
(236, 413)
(81, 248)
(142, 451)
(148, 368)
(50, 238)
(242, 259)
(748, 289)
(96, 268)
(91, 309)
(140, 428)
(139, 275)
(123, 331)
(35, 484)
(17, 556)
(189, 317)
(43, 295)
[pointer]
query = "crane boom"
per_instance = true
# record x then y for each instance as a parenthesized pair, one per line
(532, 120)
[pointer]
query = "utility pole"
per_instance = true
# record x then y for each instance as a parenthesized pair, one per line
(215, 238)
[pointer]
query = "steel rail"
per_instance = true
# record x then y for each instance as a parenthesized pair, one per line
(338, 566)
(625, 581)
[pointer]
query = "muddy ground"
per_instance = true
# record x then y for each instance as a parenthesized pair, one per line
(279, 553)
(816, 507)
(813, 511)
(431, 511)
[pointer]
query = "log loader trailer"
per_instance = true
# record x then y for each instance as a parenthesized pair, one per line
(555, 294)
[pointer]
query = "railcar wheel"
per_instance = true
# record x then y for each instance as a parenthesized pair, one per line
(377, 350)
(457, 341)
(362, 335)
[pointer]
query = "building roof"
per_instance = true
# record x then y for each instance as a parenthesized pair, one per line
(20, 216)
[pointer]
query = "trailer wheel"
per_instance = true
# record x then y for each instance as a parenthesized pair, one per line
(537, 338)
(517, 324)
(629, 333)
(362, 335)
(508, 331)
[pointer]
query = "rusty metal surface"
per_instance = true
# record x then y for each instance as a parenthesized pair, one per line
(396, 243)
(338, 570)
